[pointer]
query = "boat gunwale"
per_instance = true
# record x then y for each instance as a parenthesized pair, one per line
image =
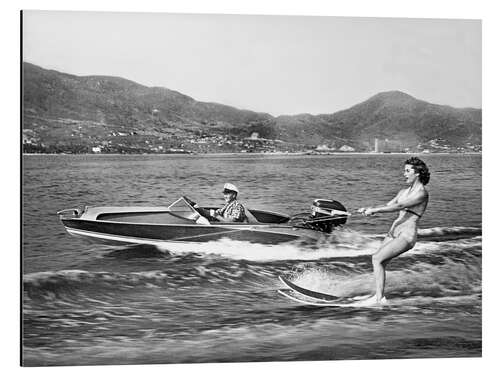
(110, 210)
(218, 224)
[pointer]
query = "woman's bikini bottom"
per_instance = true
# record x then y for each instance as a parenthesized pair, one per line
(407, 233)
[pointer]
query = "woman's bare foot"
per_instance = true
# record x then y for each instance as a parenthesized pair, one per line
(371, 301)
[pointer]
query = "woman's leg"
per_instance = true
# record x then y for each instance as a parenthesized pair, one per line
(389, 250)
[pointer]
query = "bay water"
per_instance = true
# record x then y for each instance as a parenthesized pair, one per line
(86, 304)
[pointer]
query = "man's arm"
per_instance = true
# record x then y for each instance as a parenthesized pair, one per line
(236, 214)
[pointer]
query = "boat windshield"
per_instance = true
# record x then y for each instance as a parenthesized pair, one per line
(182, 208)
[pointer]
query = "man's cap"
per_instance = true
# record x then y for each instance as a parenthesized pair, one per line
(230, 187)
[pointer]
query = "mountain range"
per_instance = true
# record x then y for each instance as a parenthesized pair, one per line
(60, 108)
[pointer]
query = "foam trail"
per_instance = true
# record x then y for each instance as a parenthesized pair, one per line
(344, 244)
(447, 233)
(240, 250)
(449, 230)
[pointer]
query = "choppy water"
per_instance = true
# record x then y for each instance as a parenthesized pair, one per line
(94, 304)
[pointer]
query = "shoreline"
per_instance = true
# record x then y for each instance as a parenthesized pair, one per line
(264, 154)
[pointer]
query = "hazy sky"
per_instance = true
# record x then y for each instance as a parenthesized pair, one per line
(279, 65)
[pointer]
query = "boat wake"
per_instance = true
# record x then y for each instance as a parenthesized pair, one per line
(341, 267)
(433, 271)
(344, 243)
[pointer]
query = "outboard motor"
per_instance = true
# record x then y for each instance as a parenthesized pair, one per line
(326, 214)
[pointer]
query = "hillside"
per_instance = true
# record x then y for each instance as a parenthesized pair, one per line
(390, 115)
(63, 112)
(117, 100)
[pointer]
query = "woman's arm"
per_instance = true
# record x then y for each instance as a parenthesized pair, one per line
(393, 201)
(398, 204)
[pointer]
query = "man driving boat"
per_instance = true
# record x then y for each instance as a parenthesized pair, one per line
(232, 211)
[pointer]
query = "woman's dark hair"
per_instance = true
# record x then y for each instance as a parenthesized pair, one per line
(419, 167)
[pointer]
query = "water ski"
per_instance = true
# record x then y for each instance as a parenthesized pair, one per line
(297, 297)
(310, 297)
(307, 292)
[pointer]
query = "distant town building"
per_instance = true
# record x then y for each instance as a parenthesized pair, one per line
(346, 148)
(155, 114)
(390, 145)
(254, 135)
(323, 148)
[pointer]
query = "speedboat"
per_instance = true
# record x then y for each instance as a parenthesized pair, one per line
(182, 222)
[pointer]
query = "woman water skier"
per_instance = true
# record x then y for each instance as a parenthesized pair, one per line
(411, 204)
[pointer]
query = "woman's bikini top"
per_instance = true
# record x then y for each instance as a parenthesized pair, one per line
(412, 212)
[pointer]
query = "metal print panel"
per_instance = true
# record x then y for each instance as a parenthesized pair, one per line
(175, 166)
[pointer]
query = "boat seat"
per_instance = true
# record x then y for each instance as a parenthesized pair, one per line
(250, 219)
(267, 217)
